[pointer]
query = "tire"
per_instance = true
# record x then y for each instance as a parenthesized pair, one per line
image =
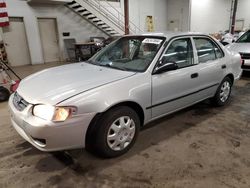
(223, 92)
(4, 94)
(113, 137)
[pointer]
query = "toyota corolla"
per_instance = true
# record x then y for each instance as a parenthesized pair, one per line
(102, 103)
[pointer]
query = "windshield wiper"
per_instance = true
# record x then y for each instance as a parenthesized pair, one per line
(108, 65)
(91, 62)
(119, 68)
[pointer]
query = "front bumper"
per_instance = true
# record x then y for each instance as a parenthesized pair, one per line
(47, 135)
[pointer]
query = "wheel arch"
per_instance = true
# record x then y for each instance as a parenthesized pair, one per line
(231, 77)
(92, 126)
(135, 106)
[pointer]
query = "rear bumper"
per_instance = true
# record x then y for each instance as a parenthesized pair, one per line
(49, 136)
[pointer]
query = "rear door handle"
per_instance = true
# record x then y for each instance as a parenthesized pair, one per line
(223, 66)
(194, 75)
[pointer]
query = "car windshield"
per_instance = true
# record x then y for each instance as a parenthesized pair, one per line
(245, 38)
(131, 53)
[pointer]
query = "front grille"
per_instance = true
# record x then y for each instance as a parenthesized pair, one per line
(19, 102)
(245, 67)
(245, 55)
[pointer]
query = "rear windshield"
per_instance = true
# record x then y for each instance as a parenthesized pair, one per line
(245, 38)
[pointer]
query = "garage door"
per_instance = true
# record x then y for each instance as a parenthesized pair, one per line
(16, 44)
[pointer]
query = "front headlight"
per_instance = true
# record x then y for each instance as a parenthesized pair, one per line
(53, 113)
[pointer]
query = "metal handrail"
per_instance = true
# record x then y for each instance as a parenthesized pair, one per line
(120, 15)
(117, 19)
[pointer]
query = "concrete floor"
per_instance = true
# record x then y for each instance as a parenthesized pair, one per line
(201, 146)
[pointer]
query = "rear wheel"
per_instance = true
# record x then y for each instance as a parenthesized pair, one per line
(117, 131)
(4, 94)
(223, 92)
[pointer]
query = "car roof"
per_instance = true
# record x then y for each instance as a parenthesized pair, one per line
(169, 34)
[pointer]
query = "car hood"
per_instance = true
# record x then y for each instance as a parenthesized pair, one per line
(239, 47)
(54, 85)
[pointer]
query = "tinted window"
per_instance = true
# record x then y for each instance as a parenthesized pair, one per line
(181, 52)
(207, 50)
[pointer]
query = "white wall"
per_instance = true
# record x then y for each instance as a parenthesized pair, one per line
(140, 9)
(67, 21)
(160, 11)
(243, 12)
(209, 16)
(178, 10)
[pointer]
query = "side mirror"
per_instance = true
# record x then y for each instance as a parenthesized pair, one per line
(167, 66)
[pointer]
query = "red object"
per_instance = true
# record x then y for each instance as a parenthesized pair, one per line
(4, 18)
(14, 87)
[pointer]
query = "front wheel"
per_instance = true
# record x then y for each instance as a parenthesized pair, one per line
(117, 132)
(223, 92)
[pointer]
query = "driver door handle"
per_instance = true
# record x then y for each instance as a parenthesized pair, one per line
(194, 75)
(223, 66)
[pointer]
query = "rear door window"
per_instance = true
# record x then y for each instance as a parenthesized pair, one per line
(207, 50)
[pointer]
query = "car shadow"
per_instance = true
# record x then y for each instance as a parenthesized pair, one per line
(82, 162)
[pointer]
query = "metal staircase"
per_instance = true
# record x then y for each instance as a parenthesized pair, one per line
(109, 20)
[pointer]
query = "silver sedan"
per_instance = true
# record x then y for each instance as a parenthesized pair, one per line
(101, 104)
(242, 45)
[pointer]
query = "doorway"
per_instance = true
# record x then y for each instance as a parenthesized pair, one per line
(49, 39)
(178, 15)
(16, 44)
